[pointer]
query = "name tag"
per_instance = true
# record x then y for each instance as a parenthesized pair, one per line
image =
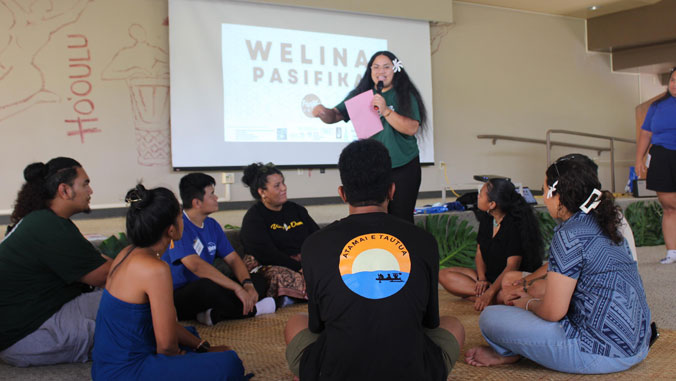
(198, 246)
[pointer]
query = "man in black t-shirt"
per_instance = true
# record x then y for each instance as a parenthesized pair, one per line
(372, 288)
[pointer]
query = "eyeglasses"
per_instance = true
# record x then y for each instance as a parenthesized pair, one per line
(384, 67)
(562, 159)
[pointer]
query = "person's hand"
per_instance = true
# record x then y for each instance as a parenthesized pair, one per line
(249, 287)
(510, 291)
(326, 115)
(641, 169)
(319, 111)
(379, 102)
(483, 300)
(520, 300)
(295, 257)
(481, 286)
(248, 301)
(220, 348)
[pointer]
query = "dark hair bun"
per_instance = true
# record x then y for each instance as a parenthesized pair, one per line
(35, 172)
(138, 197)
(251, 172)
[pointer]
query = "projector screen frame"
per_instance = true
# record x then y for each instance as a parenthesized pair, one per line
(413, 63)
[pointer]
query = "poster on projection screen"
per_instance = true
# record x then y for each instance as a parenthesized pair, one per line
(245, 78)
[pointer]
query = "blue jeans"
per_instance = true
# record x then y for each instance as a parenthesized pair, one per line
(513, 331)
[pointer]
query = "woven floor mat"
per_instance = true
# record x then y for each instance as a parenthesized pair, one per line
(260, 344)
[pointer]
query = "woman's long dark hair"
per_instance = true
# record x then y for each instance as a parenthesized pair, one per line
(508, 200)
(576, 182)
(401, 83)
(666, 95)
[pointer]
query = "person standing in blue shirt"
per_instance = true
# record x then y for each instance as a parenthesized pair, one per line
(201, 291)
(659, 129)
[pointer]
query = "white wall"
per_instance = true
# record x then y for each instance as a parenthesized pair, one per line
(495, 71)
(515, 73)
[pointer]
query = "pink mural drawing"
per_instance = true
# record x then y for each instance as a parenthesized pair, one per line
(31, 27)
(145, 70)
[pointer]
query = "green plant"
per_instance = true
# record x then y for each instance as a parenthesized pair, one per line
(547, 225)
(645, 220)
(456, 240)
(112, 245)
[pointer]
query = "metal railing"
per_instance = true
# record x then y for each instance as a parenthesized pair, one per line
(549, 143)
(611, 142)
(495, 138)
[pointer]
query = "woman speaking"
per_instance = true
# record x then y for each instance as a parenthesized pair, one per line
(402, 114)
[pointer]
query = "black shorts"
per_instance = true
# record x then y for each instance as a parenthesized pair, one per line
(662, 170)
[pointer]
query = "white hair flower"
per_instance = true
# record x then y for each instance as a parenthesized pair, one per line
(397, 65)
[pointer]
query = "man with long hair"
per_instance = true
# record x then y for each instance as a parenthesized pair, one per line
(46, 265)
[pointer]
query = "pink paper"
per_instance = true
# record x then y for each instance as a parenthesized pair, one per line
(365, 119)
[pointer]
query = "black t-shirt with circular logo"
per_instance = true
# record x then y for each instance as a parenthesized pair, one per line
(372, 285)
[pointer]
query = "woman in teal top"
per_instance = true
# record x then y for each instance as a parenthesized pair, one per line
(402, 114)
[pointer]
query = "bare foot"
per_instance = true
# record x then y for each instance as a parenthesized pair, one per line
(486, 356)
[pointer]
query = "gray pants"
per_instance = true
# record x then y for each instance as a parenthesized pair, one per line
(67, 336)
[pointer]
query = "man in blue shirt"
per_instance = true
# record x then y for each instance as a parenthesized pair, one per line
(201, 291)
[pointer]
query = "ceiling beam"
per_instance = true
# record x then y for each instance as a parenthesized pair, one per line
(654, 59)
(649, 25)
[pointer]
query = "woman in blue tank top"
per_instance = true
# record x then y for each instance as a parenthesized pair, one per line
(137, 335)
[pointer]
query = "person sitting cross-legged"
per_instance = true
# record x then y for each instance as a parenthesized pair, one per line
(137, 335)
(373, 306)
(46, 265)
(509, 239)
(201, 291)
(593, 317)
(273, 231)
(534, 283)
